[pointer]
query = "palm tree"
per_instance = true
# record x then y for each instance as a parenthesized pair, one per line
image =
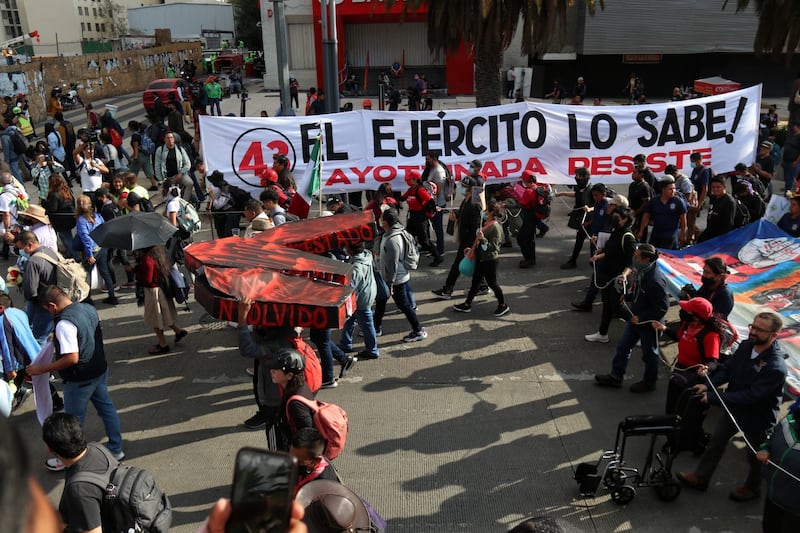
(488, 27)
(778, 26)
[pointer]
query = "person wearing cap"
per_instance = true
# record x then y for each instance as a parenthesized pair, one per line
(598, 240)
(287, 372)
(366, 104)
(764, 166)
(582, 194)
(721, 211)
(683, 185)
(743, 193)
(790, 222)
(468, 216)
(329, 507)
(308, 446)
(755, 376)
(23, 123)
(668, 214)
(611, 261)
(393, 270)
(699, 342)
(336, 206)
(648, 302)
(420, 205)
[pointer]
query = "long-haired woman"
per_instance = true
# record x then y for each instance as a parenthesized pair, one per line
(60, 209)
(93, 254)
(486, 250)
(152, 272)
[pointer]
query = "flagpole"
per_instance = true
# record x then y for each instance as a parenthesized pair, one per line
(321, 159)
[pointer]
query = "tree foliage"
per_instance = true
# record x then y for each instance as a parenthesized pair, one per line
(117, 18)
(488, 26)
(778, 26)
(247, 19)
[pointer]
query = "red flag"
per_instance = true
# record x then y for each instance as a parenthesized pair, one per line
(35, 34)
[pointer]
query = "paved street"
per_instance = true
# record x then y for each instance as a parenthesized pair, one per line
(473, 429)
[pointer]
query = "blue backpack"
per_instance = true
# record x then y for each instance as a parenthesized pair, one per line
(146, 145)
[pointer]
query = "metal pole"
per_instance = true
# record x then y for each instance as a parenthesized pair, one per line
(283, 58)
(57, 51)
(334, 51)
(323, 4)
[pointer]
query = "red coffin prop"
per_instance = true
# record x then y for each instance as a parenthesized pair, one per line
(290, 286)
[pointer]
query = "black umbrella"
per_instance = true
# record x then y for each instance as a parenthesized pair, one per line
(133, 231)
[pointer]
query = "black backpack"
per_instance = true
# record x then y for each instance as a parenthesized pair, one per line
(19, 143)
(741, 216)
(290, 217)
(239, 197)
(131, 499)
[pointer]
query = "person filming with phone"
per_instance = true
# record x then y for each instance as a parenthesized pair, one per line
(90, 169)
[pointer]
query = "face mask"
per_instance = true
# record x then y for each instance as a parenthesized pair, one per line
(707, 282)
(24, 254)
(693, 164)
(464, 190)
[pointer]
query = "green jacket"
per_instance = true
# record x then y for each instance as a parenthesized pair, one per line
(494, 237)
(214, 90)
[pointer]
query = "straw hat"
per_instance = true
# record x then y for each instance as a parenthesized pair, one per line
(36, 212)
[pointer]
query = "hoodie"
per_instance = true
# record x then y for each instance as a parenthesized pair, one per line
(392, 252)
(364, 280)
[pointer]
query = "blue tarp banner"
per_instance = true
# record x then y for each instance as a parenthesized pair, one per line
(764, 265)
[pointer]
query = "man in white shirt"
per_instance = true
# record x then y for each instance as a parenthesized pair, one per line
(253, 210)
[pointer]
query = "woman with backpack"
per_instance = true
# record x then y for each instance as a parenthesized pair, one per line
(54, 143)
(699, 343)
(287, 371)
(153, 271)
(142, 150)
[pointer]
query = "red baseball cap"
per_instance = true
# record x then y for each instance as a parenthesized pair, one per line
(697, 306)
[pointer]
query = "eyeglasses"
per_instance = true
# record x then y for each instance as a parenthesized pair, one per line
(758, 329)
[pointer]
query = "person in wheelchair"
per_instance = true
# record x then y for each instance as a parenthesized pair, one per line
(699, 339)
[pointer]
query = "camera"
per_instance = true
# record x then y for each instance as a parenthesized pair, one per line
(94, 137)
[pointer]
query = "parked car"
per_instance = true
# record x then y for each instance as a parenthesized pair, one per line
(164, 88)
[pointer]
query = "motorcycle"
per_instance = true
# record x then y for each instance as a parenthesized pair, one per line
(71, 99)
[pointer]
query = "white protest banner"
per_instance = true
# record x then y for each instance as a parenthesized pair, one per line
(363, 149)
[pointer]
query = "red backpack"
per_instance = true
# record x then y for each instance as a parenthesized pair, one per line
(331, 422)
(313, 371)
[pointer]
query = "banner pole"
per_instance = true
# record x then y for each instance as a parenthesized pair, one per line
(321, 159)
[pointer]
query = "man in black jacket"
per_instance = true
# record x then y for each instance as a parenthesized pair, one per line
(648, 301)
(755, 375)
(721, 211)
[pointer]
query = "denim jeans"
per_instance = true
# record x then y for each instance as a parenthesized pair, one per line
(630, 336)
(789, 177)
(438, 229)
(103, 268)
(328, 351)
(404, 298)
(42, 323)
(78, 394)
(67, 240)
(367, 327)
(214, 103)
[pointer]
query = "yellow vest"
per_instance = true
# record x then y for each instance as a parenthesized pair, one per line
(25, 125)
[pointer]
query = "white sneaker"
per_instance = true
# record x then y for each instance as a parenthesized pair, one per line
(596, 337)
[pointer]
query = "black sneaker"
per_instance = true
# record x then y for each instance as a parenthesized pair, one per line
(542, 233)
(329, 384)
(462, 308)
(501, 310)
(366, 356)
(569, 265)
(349, 363)
(608, 380)
(438, 261)
(583, 306)
(443, 294)
(257, 421)
(111, 300)
(22, 394)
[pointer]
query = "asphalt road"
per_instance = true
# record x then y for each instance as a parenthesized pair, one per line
(474, 429)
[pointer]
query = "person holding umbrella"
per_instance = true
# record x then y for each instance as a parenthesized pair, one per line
(152, 272)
